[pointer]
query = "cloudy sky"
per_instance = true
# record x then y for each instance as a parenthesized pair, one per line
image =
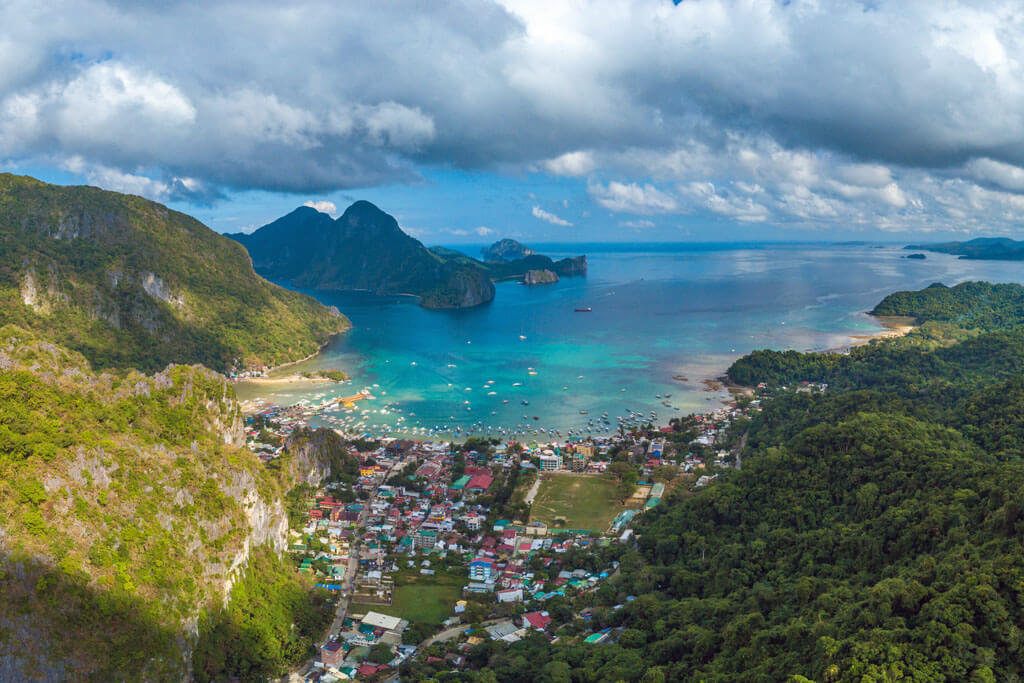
(550, 121)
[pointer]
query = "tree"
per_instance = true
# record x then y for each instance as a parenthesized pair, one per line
(380, 654)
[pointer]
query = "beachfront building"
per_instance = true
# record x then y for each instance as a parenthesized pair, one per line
(550, 463)
(576, 461)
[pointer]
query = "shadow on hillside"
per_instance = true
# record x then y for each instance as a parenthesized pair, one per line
(55, 626)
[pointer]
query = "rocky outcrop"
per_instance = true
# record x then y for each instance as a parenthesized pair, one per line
(540, 277)
(312, 453)
(506, 250)
(462, 288)
(154, 507)
(572, 266)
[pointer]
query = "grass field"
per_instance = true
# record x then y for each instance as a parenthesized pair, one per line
(583, 502)
(420, 598)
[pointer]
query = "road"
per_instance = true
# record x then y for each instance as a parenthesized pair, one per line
(452, 632)
(353, 557)
(352, 570)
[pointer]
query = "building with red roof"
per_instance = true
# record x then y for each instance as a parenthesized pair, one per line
(537, 620)
(479, 483)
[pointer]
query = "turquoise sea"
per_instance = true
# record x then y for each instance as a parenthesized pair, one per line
(659, 312)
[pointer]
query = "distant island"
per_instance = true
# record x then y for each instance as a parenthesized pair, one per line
(366, 250)
(982, 249)
(917, 257)
(506, 250)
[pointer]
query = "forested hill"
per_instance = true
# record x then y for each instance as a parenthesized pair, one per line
(364, 249)
(130, 283)
(982, 248)
(969, 305)
(874, 532)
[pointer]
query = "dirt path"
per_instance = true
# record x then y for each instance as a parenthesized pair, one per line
(532, 493)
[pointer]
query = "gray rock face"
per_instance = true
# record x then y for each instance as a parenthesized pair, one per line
(540, 277)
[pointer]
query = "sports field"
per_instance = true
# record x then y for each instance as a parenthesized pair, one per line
(573, 501)
(427, 599)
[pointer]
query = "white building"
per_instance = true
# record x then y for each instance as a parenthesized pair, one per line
(550, 462)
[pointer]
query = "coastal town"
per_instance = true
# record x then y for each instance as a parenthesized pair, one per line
(434, 548)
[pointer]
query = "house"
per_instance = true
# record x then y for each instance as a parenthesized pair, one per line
(367, 670)
(479, 483)
(510, 595)
(382, 621)
(537, 620)
(503, 630)
(332, 653)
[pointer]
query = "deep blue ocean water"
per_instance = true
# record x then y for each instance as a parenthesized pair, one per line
(658, 312)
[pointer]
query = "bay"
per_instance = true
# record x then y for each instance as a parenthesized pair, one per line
(659, 313)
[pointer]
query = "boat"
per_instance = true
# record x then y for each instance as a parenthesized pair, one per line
(586, 309)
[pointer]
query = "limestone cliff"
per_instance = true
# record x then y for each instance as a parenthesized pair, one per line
(540, 277)
(127, 508)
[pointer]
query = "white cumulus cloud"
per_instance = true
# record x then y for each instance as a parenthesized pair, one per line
(549, 217)
(632, 198)
(323, 206)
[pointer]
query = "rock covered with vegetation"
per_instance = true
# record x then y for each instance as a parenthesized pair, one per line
(364, 249)
(130, 283)
(128, 512)
(506, 250)
(540, 277)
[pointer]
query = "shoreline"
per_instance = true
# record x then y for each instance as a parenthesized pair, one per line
(275, 368)
(715, 383)
(893, 326)
(287, 379)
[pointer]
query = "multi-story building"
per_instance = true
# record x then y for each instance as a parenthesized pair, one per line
(481, 569)
(550, 462)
